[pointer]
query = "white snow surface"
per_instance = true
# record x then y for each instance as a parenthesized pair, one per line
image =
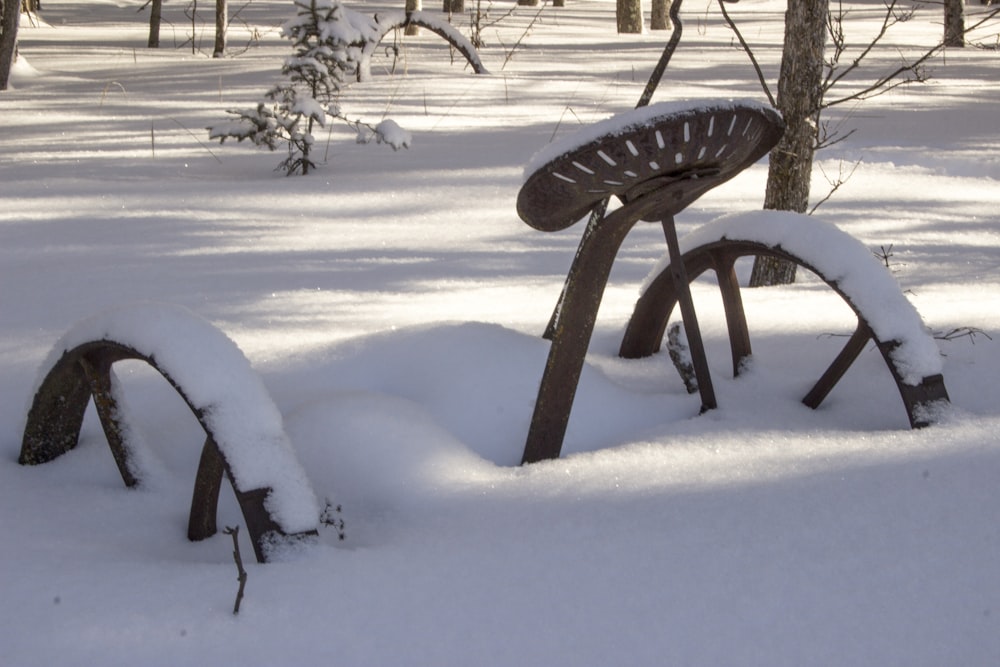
(391, 304)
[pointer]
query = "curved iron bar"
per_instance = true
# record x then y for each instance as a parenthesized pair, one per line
(56, 417)
(416, 18)
(645, 330)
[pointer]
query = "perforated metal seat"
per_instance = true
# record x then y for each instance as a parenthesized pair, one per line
(677, 151)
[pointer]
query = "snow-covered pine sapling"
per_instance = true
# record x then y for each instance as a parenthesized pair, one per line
(327, 46)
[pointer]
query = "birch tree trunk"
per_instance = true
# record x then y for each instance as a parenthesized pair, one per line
(799, 99)
(221, 22)
(658, 19)
(629, 15)
(155, 13)
(11, 10)
(954, 23)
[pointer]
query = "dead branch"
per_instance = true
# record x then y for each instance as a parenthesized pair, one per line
(748, 51)
(962, 332)
(835, 184)
(239, 566)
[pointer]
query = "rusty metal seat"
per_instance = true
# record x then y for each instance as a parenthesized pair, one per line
(657, 160)
(678, 151)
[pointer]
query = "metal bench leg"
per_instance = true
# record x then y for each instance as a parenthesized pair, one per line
(573, 327)
(683, 291)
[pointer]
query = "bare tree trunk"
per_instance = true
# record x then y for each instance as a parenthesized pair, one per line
(221, 22)
(8, 38)
(954, 23)
(454, 6)
(629, 15)
(799, 97)
(658, 16)
(155, 13)
(528, 3)
(412, 6)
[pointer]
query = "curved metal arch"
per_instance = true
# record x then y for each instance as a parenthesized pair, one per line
(56, 417)
(416, 18)
(645, 330)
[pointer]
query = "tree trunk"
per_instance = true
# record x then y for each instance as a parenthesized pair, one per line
(8, 38)
(954, 23)
(221, 21)
(658, 19)
(799, 100)
(453, 6)
(155, 13)
(528, 3)
(629, 15)
(412, 6)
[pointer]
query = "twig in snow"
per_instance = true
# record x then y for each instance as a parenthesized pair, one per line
(527, 31)
(200, 142)
(962, 332)
(239, 566)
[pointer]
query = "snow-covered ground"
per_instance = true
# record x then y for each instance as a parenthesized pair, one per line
(393, 303)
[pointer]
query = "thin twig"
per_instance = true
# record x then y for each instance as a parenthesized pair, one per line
(239, 566)
(831, 79)
(748, 51)
(884, 84)
(531, 24)
(962, 332)
(200, 142)
(834, 185)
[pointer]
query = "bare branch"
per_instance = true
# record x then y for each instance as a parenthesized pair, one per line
(835, 184)
(962, 332)
(895, 78)
(239, 566)
(888, 20)
(826, 138)
(748, 51)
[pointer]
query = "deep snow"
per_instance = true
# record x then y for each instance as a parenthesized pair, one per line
(392, 304)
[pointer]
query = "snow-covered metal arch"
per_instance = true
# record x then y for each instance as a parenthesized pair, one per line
(245, 439)
(388, 21)
(884, 314)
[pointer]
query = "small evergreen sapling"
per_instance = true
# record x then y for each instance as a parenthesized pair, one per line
(325, 36)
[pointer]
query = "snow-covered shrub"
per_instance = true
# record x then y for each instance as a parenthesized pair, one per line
(328, 40)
